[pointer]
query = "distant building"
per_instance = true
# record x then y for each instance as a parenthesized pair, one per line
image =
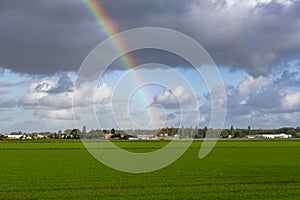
(273, 136)
(14, 136)
(282, 136)
(132, 138)
(108, 135)
(146, 137)
(250, 136)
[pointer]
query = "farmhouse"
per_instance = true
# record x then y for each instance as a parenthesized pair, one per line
(14, 136)
(273, 136)
(108, 135)
(146, 137)
(24, 137)
(282, 136)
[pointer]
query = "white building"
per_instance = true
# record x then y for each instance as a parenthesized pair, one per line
(14, 136)
(146, 137)
(273, 136)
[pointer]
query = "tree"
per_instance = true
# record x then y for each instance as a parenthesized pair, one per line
(174, 131)
(68, 132)
(84, 130)
(297, 130)
(232, 131)
(59, 134)
(158, 132)
(224, 134)
(205, 131)
(292, 132)
(238, 133)
(249, 130)
(198, 133)
(113, 131)
(75, 133)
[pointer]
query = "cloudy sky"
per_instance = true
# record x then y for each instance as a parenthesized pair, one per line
(255, 45)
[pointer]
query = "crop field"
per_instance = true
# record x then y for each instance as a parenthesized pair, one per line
(257, 169)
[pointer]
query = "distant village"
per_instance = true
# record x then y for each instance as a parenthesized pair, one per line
(160, 134)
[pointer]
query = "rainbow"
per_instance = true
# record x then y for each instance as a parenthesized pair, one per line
(108, 29)
(102, 20)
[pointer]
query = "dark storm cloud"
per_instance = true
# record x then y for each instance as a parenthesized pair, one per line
(253, 37)
(136, 13)
(42, 37)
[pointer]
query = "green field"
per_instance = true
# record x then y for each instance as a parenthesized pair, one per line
(233, 170)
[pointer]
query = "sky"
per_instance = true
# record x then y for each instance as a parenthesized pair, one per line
(254, 44)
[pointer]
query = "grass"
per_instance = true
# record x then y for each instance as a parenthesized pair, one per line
(233, 170)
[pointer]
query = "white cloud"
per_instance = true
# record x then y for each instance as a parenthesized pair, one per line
(46, 103)
(66, 114)
(175, 98)
(177, 107)
(38, 94)
(38, 90)
(254, 3)
(265, 102)
(86, 94)
(291, 101)
(252, 84)
(288, 118)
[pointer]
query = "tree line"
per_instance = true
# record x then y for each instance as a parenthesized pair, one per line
(162, 132)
